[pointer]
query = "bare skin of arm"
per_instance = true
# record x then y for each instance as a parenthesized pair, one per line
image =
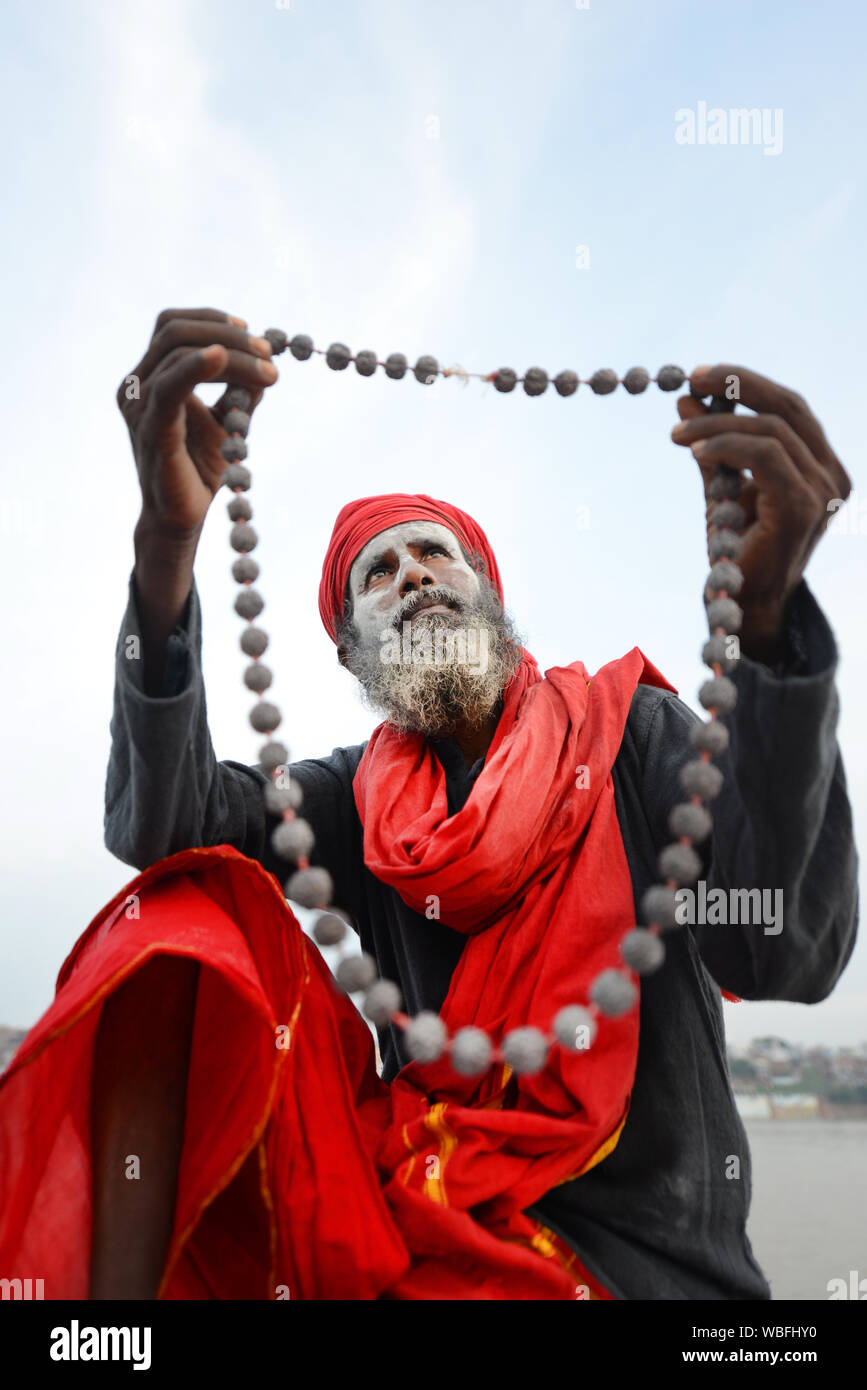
(138, 1106)
(142, 1047)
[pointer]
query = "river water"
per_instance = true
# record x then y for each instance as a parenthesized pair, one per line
(808, 1219)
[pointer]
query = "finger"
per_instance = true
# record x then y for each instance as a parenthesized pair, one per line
(689, 408)
(197, 333)
(210, 315)
(709, 426)
(252, 372)
(768, 397)
(169, 387)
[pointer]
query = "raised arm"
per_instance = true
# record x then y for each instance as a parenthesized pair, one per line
(165, 790)
(782, 823)
(161, 763)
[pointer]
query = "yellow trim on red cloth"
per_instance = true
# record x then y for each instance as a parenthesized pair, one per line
(435, 1187)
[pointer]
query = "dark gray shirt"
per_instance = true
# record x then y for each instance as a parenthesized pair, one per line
(664, 1215)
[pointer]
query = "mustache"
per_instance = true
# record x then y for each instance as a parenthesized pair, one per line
(440, 593)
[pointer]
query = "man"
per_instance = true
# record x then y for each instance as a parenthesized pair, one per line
(647, 1202)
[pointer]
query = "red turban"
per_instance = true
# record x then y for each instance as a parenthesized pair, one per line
(359, 521)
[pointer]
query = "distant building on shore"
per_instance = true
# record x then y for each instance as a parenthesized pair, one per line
(10, 1041)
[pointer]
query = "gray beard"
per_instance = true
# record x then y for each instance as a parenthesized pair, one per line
(447, 670)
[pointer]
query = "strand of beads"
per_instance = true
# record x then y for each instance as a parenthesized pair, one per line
(690, 821)
(535, 380)
(613, 992)
(293, 838)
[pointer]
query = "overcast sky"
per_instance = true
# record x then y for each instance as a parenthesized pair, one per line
(496, 182)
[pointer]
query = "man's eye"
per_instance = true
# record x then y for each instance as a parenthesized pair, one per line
(428, 550)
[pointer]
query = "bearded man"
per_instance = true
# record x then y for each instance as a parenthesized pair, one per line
(483, 877)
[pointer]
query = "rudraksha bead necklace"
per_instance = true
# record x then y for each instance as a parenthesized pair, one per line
(613, 992)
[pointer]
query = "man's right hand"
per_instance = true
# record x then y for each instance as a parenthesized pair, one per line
(175, 437)
(176, 441)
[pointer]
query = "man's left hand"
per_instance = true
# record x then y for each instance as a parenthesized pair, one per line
(795, 475)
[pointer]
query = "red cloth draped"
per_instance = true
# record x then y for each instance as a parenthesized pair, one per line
(359, 521)
(302, 1173)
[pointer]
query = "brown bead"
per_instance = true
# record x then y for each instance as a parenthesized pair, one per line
(535, 381)
(603, 382)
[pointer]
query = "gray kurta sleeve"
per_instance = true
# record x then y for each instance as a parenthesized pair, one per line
(165, 790)
(782, 822)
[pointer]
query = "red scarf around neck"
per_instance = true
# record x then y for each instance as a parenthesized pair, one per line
(533, 870)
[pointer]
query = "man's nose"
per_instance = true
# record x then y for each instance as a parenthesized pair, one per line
(414, 575)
